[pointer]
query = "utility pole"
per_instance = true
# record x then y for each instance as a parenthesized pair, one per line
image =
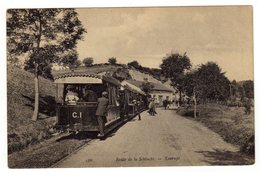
(195, 103)
(230, 89)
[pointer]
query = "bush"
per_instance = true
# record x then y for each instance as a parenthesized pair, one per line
(28, 135)
(88, 61)
(247, 105)
(249, 146)
(112, 61)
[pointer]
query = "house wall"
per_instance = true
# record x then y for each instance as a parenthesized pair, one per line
(162, 95)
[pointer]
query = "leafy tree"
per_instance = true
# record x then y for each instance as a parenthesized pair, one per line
(134, 64)
(249, 88)
(88, 61)
(247, 106)
(174, 67)
(112, 61)
(234, 89)
(121, 74)
(208, 82)
(44, 36)
(147, 87)
(75, 64)
(242, 93)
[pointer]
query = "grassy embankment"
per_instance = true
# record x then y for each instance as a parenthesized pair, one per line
(230, 122)
(22, 131)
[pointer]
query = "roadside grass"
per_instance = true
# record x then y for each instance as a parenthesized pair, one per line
(230, 122)
(22, 131)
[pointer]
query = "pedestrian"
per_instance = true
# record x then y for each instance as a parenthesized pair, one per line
(168, 104)
(152, 107)
(165, 104)
(101, 113)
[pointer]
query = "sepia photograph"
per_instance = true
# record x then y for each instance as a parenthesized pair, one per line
(130, 86)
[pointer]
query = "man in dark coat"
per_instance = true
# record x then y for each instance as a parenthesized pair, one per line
(165, 103)
(90, 96)
(101, 112)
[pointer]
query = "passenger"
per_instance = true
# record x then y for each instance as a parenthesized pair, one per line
(101, 113)
(121, 101)
(90, 96)
(71, 97)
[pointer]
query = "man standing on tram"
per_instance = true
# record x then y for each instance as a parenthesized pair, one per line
(101, 112)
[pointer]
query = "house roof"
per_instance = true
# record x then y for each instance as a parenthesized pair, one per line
(156, 86)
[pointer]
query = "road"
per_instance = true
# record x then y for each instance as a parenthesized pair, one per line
(166, 139)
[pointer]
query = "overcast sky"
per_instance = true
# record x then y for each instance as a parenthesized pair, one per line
(219, 34)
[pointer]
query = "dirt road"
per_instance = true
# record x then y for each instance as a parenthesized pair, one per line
(166, 139)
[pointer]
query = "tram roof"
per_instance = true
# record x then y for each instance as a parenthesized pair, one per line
(132, 87)
(134, 90)
(156, 86)
(84, 78)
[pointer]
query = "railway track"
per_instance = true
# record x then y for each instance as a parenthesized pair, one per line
(71, 154)
(91, 140)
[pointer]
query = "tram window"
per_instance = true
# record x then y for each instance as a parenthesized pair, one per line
(71, 95)
(86, 92)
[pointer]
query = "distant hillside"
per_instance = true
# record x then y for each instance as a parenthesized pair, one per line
(20, 100)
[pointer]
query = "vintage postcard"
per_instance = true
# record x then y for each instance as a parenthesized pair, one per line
(130, 87)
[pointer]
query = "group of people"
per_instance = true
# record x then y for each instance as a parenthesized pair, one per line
(90, 96)
(152, 106)
(166, 104)
(72, 97)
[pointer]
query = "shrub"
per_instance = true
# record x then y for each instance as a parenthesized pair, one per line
(112, 61)
(88, 61)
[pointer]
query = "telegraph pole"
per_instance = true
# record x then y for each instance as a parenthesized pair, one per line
(230, 89)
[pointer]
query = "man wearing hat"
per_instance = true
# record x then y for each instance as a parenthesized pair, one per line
(102, 112)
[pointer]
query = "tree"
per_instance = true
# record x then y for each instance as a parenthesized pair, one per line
(88, 61)
(147, 87)
(208, 82)
(112, 61)
(75, 64)
(234, 90)
(134, 64)
(44, 36)
(249, 88)
(242, 93)
(194, 88)
(121, 74)
(174, 67)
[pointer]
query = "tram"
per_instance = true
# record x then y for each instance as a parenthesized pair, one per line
(80, 115)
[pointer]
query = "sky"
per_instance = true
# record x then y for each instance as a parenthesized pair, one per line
(220, 34)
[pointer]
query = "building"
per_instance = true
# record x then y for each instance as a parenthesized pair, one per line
(159, 91)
